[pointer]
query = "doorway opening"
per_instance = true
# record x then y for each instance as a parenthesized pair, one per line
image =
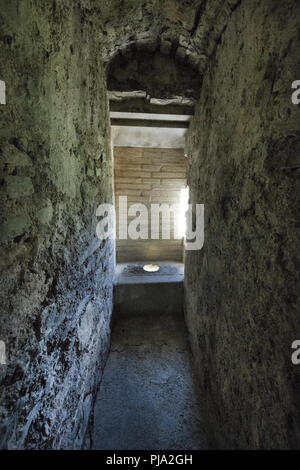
(151, 104)
(150, 191)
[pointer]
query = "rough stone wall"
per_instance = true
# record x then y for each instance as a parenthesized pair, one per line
(56, 276)
(242, 294)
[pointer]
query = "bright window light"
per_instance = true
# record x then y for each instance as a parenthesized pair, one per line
(184, 200)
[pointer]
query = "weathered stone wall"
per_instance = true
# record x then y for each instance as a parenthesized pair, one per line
(242, 294)
(56, 276)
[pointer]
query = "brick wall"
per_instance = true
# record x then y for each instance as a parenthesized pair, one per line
(147, 175)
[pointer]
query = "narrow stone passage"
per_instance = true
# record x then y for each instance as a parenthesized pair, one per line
(148, 398)
(161, 132)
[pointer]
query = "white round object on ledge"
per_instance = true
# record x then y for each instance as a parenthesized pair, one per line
(151, 268)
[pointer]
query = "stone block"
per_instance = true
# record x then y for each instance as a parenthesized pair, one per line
(165, 47)
(19, 186)
(14, 157)
(45, 214)
(14, 226)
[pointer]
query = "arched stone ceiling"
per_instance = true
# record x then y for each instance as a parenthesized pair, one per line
(160, 76)
(187, 29)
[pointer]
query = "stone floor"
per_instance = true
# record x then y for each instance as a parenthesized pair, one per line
(147, 398)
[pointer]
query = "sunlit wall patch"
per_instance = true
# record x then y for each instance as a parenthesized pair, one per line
(2, 353)
(2, 92)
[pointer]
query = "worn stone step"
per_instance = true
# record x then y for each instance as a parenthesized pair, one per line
(148, 299)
